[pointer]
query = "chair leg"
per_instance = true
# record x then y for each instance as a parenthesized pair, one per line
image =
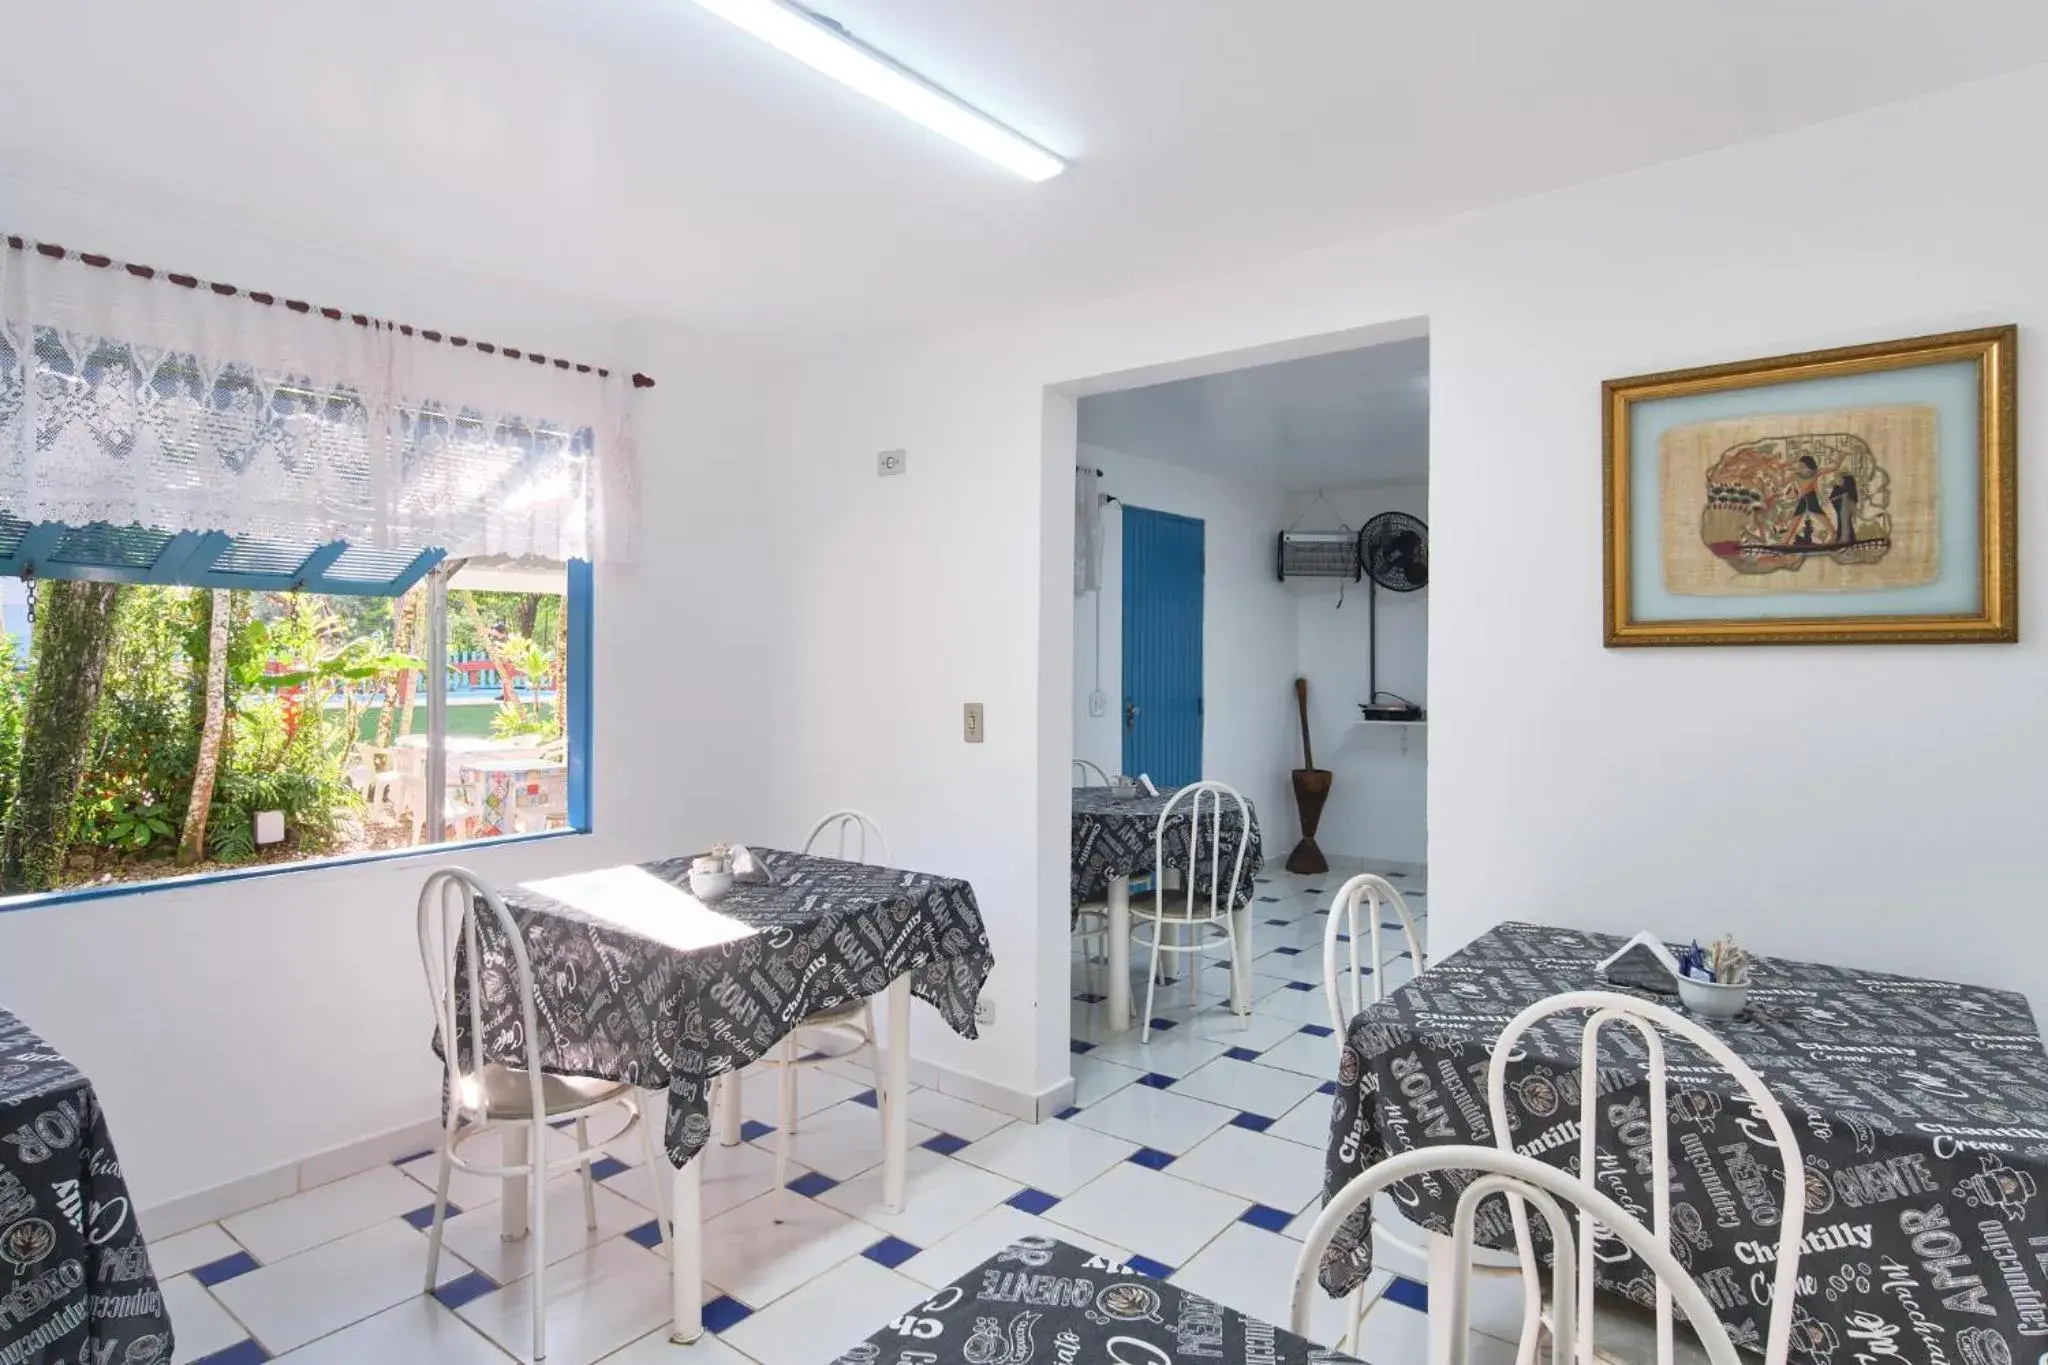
(589, 1180)
(657, 1172)
(1151, 980)
(447, 1168)
(1194, 959)
(537, 1182)
(786, 1080)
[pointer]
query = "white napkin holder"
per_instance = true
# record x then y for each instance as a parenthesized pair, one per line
(746, 867)
(1648, 940)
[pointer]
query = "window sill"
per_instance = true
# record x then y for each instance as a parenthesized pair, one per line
(36, 900)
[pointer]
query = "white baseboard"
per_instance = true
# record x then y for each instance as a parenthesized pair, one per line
(1018, 1104)
(247, 1192)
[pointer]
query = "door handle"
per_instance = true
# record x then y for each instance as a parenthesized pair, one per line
(1131, 710)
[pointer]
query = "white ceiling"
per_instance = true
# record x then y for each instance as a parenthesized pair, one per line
(1344, 420)
(645, 157)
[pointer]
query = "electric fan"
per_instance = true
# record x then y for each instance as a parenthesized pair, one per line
(1394, 551)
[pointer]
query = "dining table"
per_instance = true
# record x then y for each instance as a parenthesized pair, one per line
(1042, 1300)
(1117, 836)
(1920, 1109)
(75, 1278)
(637, 980)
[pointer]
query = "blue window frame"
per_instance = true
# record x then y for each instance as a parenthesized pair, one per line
(141, 555)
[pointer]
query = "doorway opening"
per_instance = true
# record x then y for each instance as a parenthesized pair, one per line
(1223, 560)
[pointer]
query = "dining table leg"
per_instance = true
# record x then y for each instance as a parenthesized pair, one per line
(1241, 960)
(1442, 1269)
(686, 1252)
(896, 1102)
(1119, 953)
(519, 1143)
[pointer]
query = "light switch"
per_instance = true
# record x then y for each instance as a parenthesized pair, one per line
(970, 725)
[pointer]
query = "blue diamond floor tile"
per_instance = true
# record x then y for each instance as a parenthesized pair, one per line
(1409, 1294)
(891, 1252)
(1145, 1265)
(241, 1263)
(811, 1184)
(648, 1234)
(945, 1144)
(1152, 1157)
(605, 1167)
(1156, 1080)
(1068, 1112)
(752, 1130)
(1031, 1201)
(421, 1218)
(1257, 1123)
(1267, 1217)
(1242, 1054)
(459, 1291)
(724, 1312)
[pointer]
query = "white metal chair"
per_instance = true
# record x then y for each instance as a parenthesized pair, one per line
(517, 1103)
(1084, 770)
(1349, 986)
(1363, 896)
(1523, 1180)
(1650, 1022)
(837, 1035)
(1199, 930)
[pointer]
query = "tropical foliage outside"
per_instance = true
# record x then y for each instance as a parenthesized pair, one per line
(145, 726)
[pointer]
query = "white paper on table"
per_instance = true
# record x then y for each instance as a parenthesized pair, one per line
(634, 899)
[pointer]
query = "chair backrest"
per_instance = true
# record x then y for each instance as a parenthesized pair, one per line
(450, 904)
(858, 839)
(1205, 813)
(1084, 771)
(1651, 1022)
(1361, 898)
(1524, 1180)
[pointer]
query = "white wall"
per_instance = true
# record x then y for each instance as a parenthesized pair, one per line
(236, 1027)
(1568, 782)
(1248, 642)
(1379, 790)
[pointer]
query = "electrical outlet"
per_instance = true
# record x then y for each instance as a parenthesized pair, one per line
(970, 723)
(985, 1009)
(1097, 703)
(891, 462)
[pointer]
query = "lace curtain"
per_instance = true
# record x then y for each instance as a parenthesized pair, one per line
(136, 401)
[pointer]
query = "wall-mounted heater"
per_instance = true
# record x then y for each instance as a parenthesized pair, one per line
(1319, 554)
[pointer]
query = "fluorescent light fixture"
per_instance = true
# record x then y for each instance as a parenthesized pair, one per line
(823, 46)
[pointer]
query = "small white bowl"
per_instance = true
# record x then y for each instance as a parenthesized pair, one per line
(710, 887)
(1712, 998)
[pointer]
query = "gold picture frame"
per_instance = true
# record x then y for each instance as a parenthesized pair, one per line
(1969, 564)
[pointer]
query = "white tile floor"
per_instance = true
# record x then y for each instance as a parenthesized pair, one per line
(1197, 1156)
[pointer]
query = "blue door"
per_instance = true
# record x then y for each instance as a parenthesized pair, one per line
(1162, 646)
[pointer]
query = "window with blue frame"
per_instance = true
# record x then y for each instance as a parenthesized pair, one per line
(194, 702)
(280, 582)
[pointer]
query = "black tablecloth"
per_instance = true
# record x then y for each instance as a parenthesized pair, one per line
(1921, 1109)
(1113, 838)
(1042, 1300)
(718, 990)
(75, 1282)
